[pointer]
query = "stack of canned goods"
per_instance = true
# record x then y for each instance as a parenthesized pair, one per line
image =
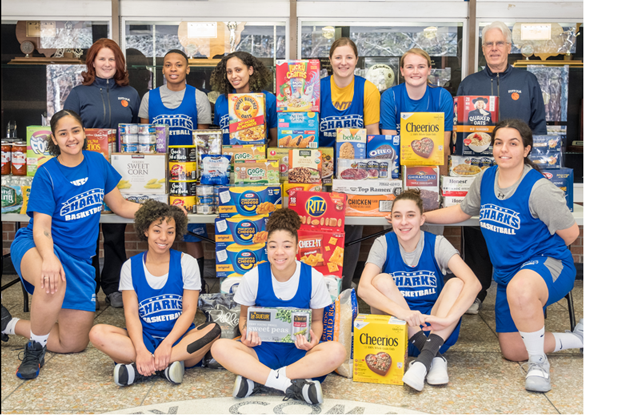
(182, 176)
(137, 138)
(206, 205)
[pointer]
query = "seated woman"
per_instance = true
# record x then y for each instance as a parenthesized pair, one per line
(527, 225)
(281, 282)
(403, 277)
(160, 289)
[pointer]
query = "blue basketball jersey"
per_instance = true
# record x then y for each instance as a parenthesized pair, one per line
(395, 101)
(266, 297)
(513, 235)
(331, 118)
(182, 120)
(158, 309)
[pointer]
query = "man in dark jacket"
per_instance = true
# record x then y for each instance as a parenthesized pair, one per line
(520, 97)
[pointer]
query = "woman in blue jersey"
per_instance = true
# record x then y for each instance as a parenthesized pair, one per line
(403, 277)
(160, 288)
(416, 95)
(281, 282)
(242, 73)
(527, 225)
(53, 253)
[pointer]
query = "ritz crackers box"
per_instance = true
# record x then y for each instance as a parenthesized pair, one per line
(379, 349)
(477, 116)
(422, 138)
(247, 119)
(298, 85)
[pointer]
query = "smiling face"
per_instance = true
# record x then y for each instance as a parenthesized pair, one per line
(406, 220)
(480, 104)
(175, 70)
(160, 235)
(496, 50)
(105, 64)
(343, 61)
(69, 136)
(238, 75)
(509, 150)
(415, 70)
(282, 247)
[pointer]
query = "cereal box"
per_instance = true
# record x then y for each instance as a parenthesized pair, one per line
(422, 138)
(427, 180)
(323, 211)
(385, 147)
(248, 200)
(477, 116)
(246, 119)
(469, 165)
(298, 129)
(239, 259)
(456, 186)
(324, 251)
(257, 171)
(282, 155)
(141, 173)
(305, 166)
(280, 325)
(37, 152)
(298, 85)
(562, 178)
(242, 230)
(327, 164)
(351, 143)
(98, 140)
(360, 169)
(379, 349)
(309, 187)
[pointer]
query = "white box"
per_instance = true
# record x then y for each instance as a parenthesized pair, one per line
(456, 186)
(451, 201)
(368, 187)
(141, 173)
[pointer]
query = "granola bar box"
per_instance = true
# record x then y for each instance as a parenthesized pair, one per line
(298, 85)
(422, 138)
(305, 166)
(281, 324)
(298, 129)
(476, 117)
(324, 251)
(351, 143)
(379, 349)
(322, 211)
(248, 200)
(247, 119)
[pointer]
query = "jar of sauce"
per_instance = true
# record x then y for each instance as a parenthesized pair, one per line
(19, 158)
(6, 158)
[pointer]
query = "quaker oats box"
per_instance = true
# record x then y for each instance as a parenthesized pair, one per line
(563, 179)
(305, 166)
(298, 85)
(248, 200)
(141, 173)
(379, 349)
(282, 155)
(98, 140)
(476, 117)
(279, 325)
(37, 153)
(422, 138)
(323, 251)
(298, 129)
(427, 180)
(323, 211)
(351, 143)
(385, 147)
(239, 259)
(246, 119)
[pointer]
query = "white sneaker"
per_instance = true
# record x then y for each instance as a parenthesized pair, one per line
(538, 378)
(475, 307)
(415, 375)
(578, 331)
(438, 372)
(174, 372)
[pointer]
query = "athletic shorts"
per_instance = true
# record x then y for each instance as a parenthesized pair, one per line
(277, 355)
(559, 275)
(198, 229)
(152, 342)
(451, 340)
(80, 293)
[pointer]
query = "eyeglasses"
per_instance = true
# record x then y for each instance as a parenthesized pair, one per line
(498, 44)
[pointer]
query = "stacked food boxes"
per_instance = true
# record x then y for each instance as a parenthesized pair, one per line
(101, 140)
(548, 154)
(144, 176)
(476, 117)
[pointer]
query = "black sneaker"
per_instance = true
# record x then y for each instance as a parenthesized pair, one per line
(32, 360)
(308, 391)
(245, 387)
(6, 318)
(125, 375)
(174, 372)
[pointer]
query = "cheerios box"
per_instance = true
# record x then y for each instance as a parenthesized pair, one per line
(248, 200)
(385, 147)
(324, 251)
(280, 325)
(233, 258)
(141, 173)
(351, 143)
(247, 119)
(476, 117)
(422, 138)
(242, 230)
(298, 85)
(321, 211)
(379, 349)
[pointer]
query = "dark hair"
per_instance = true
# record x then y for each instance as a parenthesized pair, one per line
(525, 133)
(260, 78)
(121, 77)
(179, 52)
(343, 41)
(152, 210)
(284, 219)
(410, 194)
(52, 147)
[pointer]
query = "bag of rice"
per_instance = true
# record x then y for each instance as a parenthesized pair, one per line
(338, 326)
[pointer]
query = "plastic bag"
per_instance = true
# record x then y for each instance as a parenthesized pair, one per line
(220, 309)
(338, 326)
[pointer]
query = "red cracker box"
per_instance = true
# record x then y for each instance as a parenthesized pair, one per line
(477, 116)
(100, 139)
(298, 85)
(322, 211)
(324, 251)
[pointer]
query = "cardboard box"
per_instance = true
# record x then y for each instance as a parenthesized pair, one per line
(242, 230)
(351, 143)
(280, 325)
(162, 137)
(456, 186)
(15, 198)
(451, 200)
(298, 85)
(37, 142)
(361, 169)
(476, 117)
(247, 119)
(327, 165)
(562, 178)
(323, 211)
(369, 205)
(282, 155)
(309, 187)
(324, 251)
(469, 165)
(257, 172)
(385, 147)
(298, 129)
(422, 138)
(232, 258)
(305, 166)
(248, 200)
(368, 187)
(427, 180)
(141, 173)
(379, 349)
(100, 139)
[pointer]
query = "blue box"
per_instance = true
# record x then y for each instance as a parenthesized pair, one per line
(298, 129)
(562, 178)
(387, 147)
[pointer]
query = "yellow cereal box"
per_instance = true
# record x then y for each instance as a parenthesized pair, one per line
(379, 349)
(246, 119)
(422, 138)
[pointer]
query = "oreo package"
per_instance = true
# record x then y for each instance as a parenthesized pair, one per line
(385, 147)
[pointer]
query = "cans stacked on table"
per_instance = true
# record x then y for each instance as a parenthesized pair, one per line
(183, 176)
(205, 199)
(137, 138)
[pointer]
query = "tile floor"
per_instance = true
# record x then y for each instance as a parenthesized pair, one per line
(481, 381)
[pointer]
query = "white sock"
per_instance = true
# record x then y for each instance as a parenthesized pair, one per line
(40, 339)
(534, 342)
(278, 379)
(11, 326)
(566, 341)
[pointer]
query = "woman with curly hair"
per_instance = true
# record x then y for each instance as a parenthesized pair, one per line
(160, 288)
(281, 282)
(242, 73)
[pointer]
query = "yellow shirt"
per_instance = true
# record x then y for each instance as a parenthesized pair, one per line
(342, 98)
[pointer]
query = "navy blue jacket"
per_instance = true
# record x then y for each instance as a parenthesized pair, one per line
(104, 104)
(519, 92)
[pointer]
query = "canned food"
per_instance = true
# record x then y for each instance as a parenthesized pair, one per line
(362, 165)
(373, 168)
(127, 129)
(384, 170)
(146, 139)
(205, 200)
(188, 202)
(187, 188)
(182, 171)
(146, 148)
(146, 129)
(129, 147)
(182, 154)
(205, 209)
(6, 158)
(204, 190)
(129, 138)
(19, 158)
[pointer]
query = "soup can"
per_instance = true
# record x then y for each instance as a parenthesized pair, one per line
(188, 202)
(186, 188)
(129, 147)
(182, 154)
(180, 171)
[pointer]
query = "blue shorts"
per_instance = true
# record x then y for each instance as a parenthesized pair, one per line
(451, 340)
(277, 355)
(80, 293)
(198, 229)
(559, 275)
(152, 343)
